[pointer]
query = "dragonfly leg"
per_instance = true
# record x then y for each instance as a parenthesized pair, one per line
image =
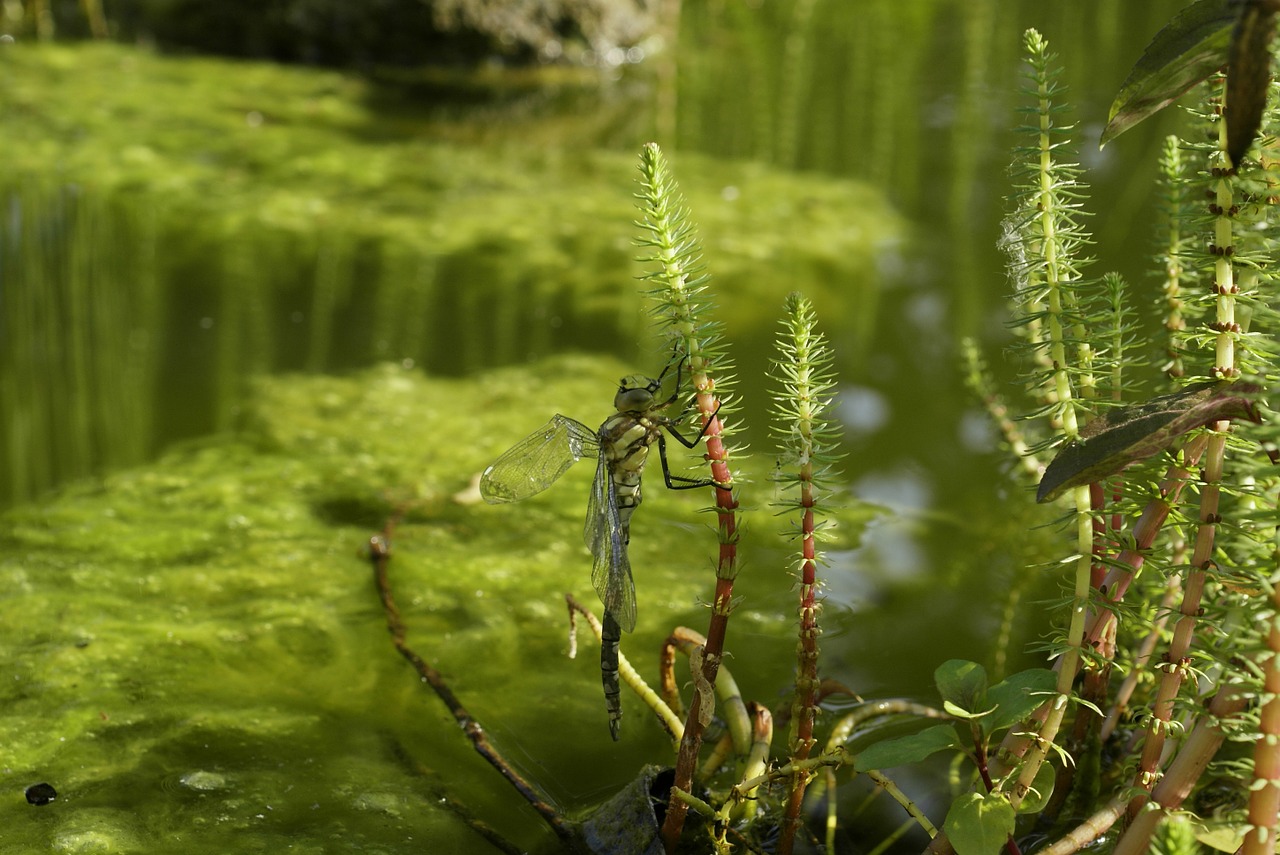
(679, 482)
(679, 374)
(690, 443)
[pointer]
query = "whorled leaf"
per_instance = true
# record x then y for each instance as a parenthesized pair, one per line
(1125, 435)
(1186, 51)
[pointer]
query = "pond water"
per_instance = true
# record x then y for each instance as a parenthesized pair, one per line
(262, 333)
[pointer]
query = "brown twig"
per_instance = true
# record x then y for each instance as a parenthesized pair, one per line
(380, 557)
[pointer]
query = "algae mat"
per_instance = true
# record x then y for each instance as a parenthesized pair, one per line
(197, 660)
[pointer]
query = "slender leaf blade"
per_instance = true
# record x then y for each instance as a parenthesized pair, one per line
(1123, 436)
(1248, 76)
(1186, 51)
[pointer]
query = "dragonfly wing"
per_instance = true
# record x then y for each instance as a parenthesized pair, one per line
(605, 536)
(536, 462)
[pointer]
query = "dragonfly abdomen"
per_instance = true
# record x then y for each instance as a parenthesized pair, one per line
(610, 636)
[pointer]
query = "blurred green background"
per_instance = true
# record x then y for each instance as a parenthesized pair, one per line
(246, 307)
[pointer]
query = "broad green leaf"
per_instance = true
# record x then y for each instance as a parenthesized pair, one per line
(961, 682)
(1018, 695)
(1190, 48)
(1041, 789)
(979, 824)
(1222, 836)
(905, 750)
(1122, 436)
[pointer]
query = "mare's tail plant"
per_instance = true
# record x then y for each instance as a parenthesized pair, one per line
(1059, 310)
(807, 438)
(1204, 527)
(681, 306)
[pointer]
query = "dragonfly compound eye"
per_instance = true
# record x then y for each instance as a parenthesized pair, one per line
(635, 394)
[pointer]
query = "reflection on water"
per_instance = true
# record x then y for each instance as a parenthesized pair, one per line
(130, 318)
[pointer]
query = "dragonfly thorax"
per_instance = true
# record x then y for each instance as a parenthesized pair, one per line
(636, 394)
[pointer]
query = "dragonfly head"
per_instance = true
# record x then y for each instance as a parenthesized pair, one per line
(636, 394)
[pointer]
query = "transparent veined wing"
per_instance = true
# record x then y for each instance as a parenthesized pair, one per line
(536, 462)
(606, 538)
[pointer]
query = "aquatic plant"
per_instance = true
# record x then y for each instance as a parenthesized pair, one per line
(1123, 739)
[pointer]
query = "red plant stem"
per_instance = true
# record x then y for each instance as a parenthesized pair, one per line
(1264, 798)
(1098, 499)
(1176, 784)
(1140, 662)
(1114, 586)
(1145, 530)
(721, 604)
(1176, 659)
(807, 684)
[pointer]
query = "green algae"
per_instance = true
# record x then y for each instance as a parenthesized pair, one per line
(175, 226)
(196, 654)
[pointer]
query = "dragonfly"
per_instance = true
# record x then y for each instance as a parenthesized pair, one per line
(621, 447)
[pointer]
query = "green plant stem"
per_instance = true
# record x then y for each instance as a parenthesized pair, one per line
(1088, 831)
(1174, 182)
(1069, 662)
(670, 722)
(1060, 276)
(1177, 659)
(758, 757)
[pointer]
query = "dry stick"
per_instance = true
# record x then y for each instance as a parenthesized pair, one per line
(380, 557)
(441, 797)
(1177, 660)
